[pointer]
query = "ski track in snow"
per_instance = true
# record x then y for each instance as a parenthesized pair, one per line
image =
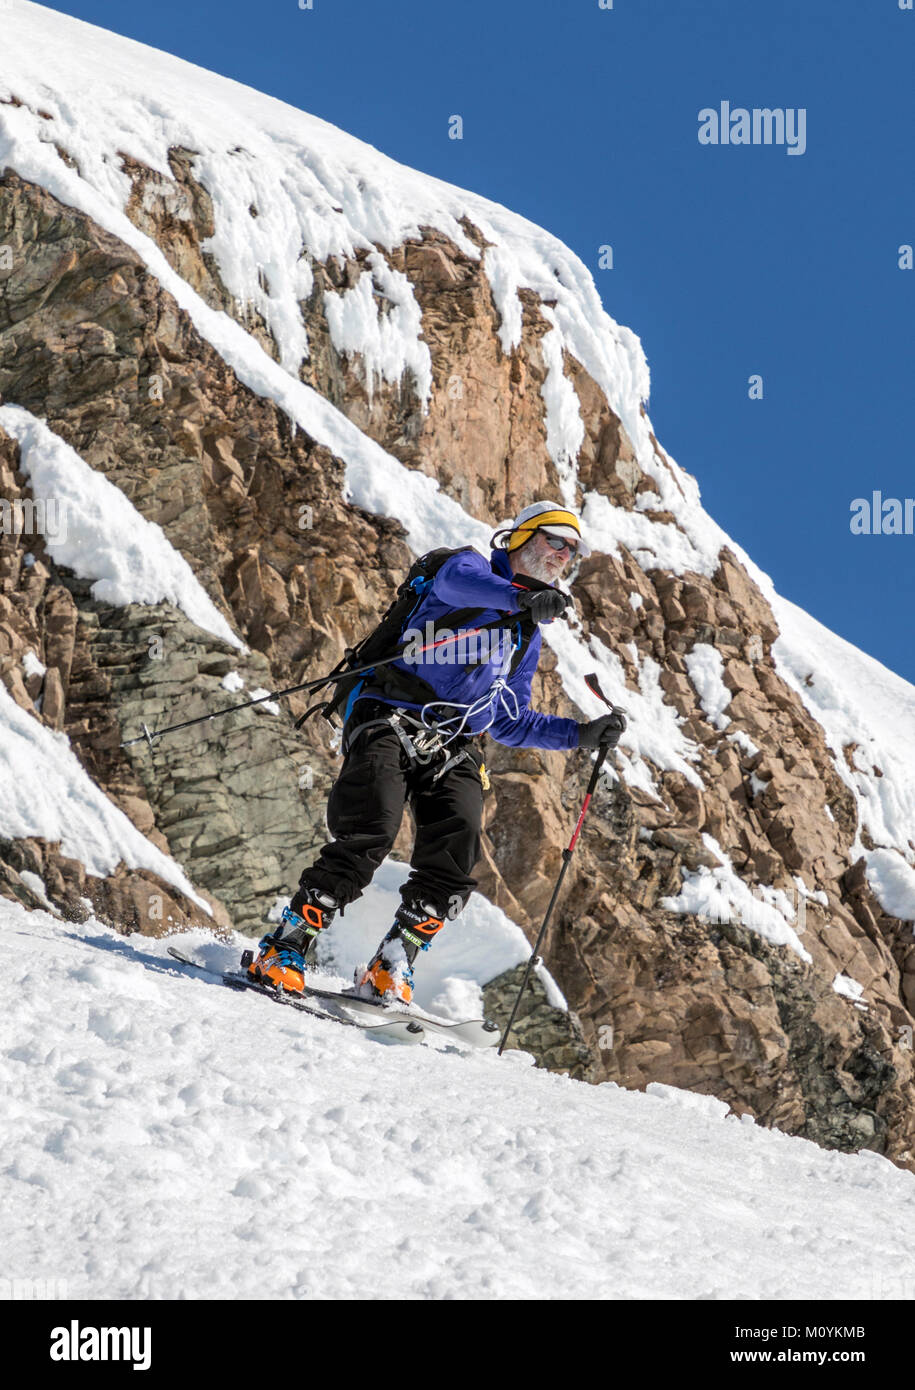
(166, 1138)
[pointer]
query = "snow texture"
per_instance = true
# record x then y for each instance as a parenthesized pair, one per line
(851, 989)
(31, 665)
(719, 894)
(388, 343)
(153, 1117)
(36, 884)
(705, 667)
(266, 706)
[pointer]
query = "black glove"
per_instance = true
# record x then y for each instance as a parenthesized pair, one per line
(543, 604)
(605, 730)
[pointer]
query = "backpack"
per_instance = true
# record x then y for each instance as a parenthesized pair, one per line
(384, 640)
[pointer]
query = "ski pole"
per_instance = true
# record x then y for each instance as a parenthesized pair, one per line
(593, 685)
(150, 734)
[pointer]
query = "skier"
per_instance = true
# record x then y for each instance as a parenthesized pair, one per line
(410, 731)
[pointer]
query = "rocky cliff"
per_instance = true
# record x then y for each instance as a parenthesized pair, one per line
(441, 352)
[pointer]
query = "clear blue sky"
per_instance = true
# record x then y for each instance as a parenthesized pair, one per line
(728, 261)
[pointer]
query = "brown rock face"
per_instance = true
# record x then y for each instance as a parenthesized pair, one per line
(91, 342)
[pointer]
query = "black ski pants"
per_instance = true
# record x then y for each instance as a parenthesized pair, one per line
(365, 809)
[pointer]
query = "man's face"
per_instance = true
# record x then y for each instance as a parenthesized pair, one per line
(538, 559)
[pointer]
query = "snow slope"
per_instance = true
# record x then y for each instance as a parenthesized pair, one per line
(162, 1137)
(320, 191)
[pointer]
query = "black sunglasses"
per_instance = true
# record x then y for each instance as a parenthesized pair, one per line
(560, 542)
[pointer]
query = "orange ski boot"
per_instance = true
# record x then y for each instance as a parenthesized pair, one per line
(389, 974)
(281, 959)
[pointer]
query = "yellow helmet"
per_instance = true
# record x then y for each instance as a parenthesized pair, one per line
(542, 516)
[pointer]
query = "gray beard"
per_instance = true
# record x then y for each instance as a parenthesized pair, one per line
(537, 569)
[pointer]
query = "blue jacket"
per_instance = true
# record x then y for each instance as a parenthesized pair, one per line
(468, 581)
